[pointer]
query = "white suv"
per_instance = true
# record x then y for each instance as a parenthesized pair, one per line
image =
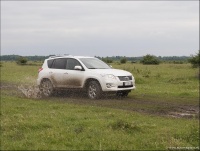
(87, 73)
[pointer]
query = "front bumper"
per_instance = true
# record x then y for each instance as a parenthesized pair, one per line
(117, 85)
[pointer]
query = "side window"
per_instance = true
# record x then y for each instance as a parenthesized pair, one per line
(49, 63)
(59, 63)
(71, 63)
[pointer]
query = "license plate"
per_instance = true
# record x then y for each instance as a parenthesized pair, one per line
(127, 83)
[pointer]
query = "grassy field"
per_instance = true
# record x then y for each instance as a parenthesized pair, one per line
(77, 123)
(168, 81)
(164, 81)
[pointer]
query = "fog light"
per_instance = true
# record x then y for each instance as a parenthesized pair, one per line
(109, 85)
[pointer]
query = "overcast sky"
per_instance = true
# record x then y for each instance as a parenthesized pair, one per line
(101, 28)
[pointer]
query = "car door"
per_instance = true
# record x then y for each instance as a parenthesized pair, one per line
(57, 71)
(73, 78)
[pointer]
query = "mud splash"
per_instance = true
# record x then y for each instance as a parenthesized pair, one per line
(30, 91)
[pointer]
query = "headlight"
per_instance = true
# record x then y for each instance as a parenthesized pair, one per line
(110, 76)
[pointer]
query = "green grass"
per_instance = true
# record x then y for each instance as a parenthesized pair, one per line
(164, 81)
(44, 125)
(19, 74)
(65, 123)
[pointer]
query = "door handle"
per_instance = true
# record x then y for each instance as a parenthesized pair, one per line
(50, 72)
(65, 73)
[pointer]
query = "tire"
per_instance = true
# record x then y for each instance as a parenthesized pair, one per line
(122, 94)
(94, 90)
(47, 88)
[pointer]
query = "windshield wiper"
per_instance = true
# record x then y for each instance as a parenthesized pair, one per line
(92, 68)
(98, 68)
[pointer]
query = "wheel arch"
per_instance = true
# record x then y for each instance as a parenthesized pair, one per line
(46, 79)
(87, 81)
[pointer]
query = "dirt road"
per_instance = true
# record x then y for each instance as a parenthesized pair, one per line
(152, 107)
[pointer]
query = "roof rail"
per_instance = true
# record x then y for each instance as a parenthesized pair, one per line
(55, 56)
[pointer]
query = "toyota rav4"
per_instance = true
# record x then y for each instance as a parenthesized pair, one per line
(88, 73)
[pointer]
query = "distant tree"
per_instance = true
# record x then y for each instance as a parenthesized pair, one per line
(22, 60)
(150, 59)
(195, 60)
(123, 60)
(107, 60)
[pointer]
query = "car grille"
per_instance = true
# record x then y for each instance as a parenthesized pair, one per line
(128, 86)
(125, 78)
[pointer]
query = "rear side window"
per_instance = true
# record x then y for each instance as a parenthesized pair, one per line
(49, 63)
(59, 63)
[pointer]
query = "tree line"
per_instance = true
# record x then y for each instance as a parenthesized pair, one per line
(162, 58)
(114, 58)
(15, 57)
(147, 59)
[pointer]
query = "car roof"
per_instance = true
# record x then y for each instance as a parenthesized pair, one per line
(69, 56)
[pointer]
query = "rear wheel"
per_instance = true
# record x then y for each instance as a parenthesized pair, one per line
(47, 88)
(94, 90)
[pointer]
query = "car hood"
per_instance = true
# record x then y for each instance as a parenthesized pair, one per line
(115, 72)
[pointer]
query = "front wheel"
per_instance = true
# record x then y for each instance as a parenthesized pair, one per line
(94, 90)
(47, 88)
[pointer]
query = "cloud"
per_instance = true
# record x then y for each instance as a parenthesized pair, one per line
(100, 27)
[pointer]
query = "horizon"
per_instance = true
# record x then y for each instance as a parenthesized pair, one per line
(94, 55)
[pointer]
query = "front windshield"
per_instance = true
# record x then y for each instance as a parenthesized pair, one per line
(94, 63)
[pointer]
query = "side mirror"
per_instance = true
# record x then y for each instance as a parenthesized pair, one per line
(77, 68)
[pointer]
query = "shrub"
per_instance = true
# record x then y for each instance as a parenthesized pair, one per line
(178, 62)
(150, 59)
(195, 60)
(123, 60)
(22, 60)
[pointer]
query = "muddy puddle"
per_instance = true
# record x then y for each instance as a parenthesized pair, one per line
(185, 113)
